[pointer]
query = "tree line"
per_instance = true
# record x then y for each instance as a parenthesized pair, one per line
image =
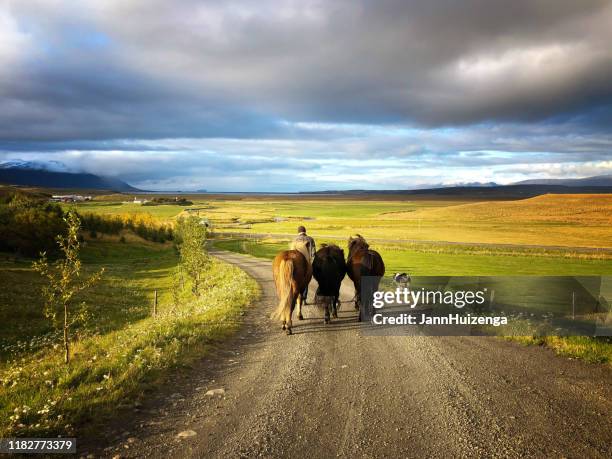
(143, 225)
(29, 226)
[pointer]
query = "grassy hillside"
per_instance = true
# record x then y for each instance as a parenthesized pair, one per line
(564, 220)
(133, 271)
(122, 348)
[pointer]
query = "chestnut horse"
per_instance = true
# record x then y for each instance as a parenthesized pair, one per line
(329, 268)
(292, 273)
(365, 268)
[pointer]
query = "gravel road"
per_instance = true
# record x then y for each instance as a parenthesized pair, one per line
(327, 391)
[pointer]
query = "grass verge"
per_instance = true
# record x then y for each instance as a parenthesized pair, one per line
(589, 349)
(40, 396)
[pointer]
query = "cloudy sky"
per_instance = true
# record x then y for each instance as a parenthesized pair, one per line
(308, 95)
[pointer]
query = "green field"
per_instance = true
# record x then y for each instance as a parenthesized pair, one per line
(121, 350)
(548, 220)
(133, 272)
(428, 260)
(425, 236)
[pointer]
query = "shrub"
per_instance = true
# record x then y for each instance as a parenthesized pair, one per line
(191, 246)
(64, 283)
(29, 226)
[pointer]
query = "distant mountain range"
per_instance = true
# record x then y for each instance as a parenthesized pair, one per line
(598, 180)
(54, 174)
(491, 190)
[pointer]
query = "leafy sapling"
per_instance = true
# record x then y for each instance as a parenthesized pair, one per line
(64, 282)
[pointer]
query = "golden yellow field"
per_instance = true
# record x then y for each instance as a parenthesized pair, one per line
(564, 220)
(585, 209)
(548, 220)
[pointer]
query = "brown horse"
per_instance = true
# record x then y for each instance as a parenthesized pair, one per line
(365, 268)
(292, 273)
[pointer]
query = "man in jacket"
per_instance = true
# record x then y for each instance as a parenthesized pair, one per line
(312, 248)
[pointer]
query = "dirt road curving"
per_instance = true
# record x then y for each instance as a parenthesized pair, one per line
(327, 391)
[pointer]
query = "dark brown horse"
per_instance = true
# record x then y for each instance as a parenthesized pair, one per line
(365, 268)
(292, 273)
(329, 268)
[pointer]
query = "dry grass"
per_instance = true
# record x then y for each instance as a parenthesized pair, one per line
(575, 209)
(552, 220)
(548, 220)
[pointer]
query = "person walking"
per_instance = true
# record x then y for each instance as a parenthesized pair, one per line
(312, 248)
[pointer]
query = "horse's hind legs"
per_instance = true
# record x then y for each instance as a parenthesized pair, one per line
(299, 307)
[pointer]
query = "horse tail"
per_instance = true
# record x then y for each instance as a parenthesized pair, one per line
(285, 290)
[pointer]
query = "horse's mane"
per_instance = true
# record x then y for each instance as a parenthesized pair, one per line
(330, 246)
(329, 249)
(357, 242)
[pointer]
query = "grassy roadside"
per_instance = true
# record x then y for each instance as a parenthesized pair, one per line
(124, 349)
(443, 260)
(589, 349)
(133, 271)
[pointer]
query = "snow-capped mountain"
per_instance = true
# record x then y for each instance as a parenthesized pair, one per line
(54, 174)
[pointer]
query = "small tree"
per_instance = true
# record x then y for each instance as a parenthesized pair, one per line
(64, 282)
(191, 244)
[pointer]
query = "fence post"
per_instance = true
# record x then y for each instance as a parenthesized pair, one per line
(573, 305)
(155, 303)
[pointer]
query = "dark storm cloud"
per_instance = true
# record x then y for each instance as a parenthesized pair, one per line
(154, 69)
